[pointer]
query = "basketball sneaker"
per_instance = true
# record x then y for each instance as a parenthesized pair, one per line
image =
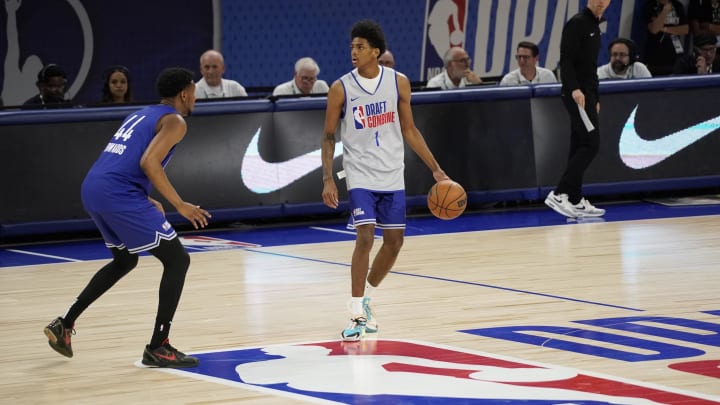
(585, 209)
(561, 204)
(59, 337)
(355, 330)
(167, 356)
(371, 325)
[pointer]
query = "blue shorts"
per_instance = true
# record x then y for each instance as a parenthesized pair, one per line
(385, 210)
(137, 230)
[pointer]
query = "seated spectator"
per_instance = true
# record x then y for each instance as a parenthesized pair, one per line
(51, 84)
(704, 16)
(456, 73)
(387, 59)
(623, 62)
(703, 60)
(116, 85)
(304, 81)
(528, 72)
(212, 84)
(667, 26)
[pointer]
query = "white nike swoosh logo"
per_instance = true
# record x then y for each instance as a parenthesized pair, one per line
(639, 153)
(263, 177)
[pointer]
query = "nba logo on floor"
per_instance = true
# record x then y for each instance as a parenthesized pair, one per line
(412, 372)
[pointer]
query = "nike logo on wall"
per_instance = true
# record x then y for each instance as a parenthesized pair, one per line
(639, 153)
(263, 177)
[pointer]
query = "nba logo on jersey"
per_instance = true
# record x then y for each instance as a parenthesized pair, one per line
(411, 372)
(359, 115)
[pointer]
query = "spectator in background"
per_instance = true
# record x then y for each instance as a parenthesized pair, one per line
(304, 82)
(528, 72)
(667, 26)
(387, 59)
(623, 62)
(51, 84)
(703, 60)
(704, 16)
(212, 84)
(457, 73)
(116, 85)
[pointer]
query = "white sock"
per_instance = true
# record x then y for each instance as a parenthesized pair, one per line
(369, 289)
(356, 305)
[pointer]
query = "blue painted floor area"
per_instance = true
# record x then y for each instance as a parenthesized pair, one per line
(62, 252)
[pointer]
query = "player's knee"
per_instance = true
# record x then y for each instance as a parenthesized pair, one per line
(394, 244)
(123, 260)
(128, 262)
(184, 261)
(364, 240)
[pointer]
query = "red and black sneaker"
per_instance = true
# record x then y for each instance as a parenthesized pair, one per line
(59, 337)
(167, 356)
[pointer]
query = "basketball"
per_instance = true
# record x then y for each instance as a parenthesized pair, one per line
(447, 199)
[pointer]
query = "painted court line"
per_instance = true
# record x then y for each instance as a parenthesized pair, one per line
(559, 297)
(25, 252)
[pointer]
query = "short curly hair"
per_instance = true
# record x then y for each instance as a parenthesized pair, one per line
(371, 31)
(172, 81)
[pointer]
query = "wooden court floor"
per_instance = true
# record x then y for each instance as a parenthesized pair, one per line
(459, 290)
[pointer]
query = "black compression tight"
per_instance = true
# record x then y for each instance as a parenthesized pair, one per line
(175, 262)
(123, 261)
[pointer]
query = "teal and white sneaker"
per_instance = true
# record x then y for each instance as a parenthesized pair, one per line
(355, 330)
(371, 325)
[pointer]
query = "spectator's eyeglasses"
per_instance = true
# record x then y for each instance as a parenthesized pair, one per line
(523, 57)
(308, 79)
(707, 49)
(465, 61)
(619, 55)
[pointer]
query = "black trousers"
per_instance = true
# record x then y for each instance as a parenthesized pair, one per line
(584, 146)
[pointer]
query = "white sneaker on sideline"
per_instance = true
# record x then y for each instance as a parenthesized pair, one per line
(561, 204)
(585, 209)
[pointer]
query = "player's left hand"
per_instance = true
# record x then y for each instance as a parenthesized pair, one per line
(440, 175)
(197, 216)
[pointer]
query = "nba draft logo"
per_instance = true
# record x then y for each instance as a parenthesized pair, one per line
(412, 372)
(372, 115)
(444, 28)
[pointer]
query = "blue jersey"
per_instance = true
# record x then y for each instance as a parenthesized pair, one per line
(116, 182)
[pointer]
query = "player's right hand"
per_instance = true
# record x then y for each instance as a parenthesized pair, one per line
(330, 194)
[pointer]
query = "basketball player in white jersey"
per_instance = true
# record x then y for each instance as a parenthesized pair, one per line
(372, 105)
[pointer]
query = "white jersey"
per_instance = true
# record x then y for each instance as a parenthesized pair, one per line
(373, 148)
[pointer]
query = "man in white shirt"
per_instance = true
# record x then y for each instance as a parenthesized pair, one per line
(623, 62)
(304, 82)
(457, 73)
(212, 84)
(528, 72)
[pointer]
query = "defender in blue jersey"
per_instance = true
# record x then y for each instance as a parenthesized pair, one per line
(372, 105)
(116, 194)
